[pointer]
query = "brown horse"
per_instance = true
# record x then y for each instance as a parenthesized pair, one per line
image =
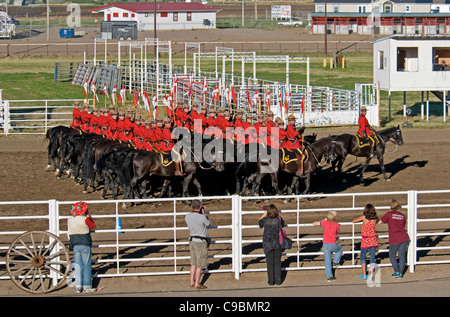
(345, 144)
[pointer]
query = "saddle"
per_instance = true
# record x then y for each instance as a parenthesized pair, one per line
(289, 155)
(166, 157)
(365, 141)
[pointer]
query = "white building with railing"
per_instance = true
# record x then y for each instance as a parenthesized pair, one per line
(170, 15)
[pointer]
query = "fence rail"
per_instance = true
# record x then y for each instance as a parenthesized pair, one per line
(48, 49)
(158, 246)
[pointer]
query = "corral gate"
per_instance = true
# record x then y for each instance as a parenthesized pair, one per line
(236, 241)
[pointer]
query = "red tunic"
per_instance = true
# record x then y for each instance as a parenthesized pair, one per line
(85, 117)
(93, 124)
(76, 118)
(364, 126)
(112, 132)
(167, 142)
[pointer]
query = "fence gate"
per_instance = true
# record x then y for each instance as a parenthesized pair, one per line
(369, 96)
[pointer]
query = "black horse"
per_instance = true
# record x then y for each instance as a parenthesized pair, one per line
(147, 163)
(345, 144)
(314, 152)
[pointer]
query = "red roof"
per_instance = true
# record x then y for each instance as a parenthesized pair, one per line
(141, 7)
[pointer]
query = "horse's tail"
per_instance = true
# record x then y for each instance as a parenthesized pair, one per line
(126, 168)
(88, 160)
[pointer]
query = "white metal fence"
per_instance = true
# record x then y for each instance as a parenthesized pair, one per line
(34, 116)
(159, 244)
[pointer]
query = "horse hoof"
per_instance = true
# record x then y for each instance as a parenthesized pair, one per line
(84, 191)
(388, 179)
(124, 206)
(48, 167)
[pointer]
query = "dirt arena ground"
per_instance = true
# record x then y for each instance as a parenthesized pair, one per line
(420, 164)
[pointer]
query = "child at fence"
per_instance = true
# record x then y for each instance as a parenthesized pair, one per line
(329, 245)
(398, 238)
(369, 242)
(79, 228)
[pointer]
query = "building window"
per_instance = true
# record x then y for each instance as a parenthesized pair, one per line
(407, 8)
(407, 59)
(188, 16)
(387, 8)
(361, 9)
(175, 16)
(320, 8)
(115, 15)
(380, 59)
(376, 8)
(441, 58)
(163, 14)
(125, 14)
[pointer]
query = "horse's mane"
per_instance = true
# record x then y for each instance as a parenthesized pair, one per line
(387, 129)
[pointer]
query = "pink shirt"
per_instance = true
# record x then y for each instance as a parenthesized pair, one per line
(331, 229)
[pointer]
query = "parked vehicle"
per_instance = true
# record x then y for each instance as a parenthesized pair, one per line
(295, 22)
(119, 30)
(7, 26)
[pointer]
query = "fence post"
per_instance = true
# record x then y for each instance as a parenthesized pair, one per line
(236, 205)
(53, 227)
(46, 116)
(412, 229)
(6, 117)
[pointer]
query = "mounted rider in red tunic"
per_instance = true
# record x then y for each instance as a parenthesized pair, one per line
(366, 131)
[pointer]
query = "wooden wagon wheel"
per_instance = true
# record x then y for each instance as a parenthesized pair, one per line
(35, 256)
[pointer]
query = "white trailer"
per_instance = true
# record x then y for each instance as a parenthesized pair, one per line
(7, 27)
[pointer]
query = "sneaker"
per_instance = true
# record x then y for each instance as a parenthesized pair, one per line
(90, 290)
(336, 265)
(364, 277)
(396, 274)
(331, 279)
(400, 275)
(78, 289)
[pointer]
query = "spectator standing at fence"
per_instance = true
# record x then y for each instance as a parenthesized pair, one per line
(272, 223)
(79, 231)
(369, 242)
(329, 244)
(197, 222)
(398, 238)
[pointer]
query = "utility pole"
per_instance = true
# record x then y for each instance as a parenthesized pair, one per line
(48, 20)
(154, 26)
(326, 31)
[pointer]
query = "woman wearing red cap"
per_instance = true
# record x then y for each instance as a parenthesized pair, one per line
(79, 228)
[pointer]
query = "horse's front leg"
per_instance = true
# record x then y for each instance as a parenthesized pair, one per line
(307, 180)
(199, 187)
(186, 182)
(366, 163)
(383, 169)
(274, 177)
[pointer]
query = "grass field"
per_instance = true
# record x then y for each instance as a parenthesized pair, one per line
(33, 78)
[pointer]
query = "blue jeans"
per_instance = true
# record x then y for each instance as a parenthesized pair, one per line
(328, 250)
(82, 262)
(400, 249)
(371, 251)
